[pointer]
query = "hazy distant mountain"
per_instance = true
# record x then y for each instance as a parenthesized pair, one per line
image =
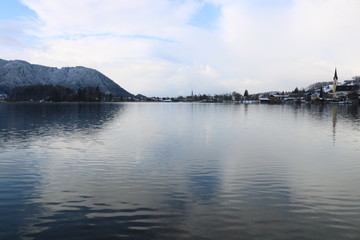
(141, 97)
(19, 73)
(318, 85)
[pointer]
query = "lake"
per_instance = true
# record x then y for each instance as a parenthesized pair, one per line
(179, 171)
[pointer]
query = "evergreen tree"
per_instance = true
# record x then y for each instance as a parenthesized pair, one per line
(321, 95)
(98, 93)
(246, 94)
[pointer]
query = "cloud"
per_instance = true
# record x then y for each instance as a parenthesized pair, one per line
(15, 38)
(295, 44)
(171, 47)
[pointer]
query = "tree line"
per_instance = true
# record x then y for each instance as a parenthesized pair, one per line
(58, 94)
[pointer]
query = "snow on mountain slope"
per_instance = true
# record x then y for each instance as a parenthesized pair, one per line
(18, 73)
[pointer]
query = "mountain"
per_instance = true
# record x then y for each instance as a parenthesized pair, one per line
(18, 73)
(316, 86)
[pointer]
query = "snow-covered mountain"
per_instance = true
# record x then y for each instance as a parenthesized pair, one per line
(19, 73)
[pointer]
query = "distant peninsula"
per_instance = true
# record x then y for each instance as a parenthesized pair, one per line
(22, 81)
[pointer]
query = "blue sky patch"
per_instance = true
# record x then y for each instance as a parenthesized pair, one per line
(206, 17)
(12, 9)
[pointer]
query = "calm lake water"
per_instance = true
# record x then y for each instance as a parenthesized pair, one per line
(179, 171)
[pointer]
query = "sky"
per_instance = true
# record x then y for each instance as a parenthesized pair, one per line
(173, 47)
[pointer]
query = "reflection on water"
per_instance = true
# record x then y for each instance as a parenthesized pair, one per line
(334, 118)
(26, 122)
(183, 171)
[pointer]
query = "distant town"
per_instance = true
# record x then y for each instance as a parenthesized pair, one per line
(322, 92)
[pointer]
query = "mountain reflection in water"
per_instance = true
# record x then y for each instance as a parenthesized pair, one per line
(25, 122)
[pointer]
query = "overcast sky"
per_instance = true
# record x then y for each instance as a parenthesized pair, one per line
(171, 47)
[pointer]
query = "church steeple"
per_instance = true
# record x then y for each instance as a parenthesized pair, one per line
(335, 75)
(335, 81)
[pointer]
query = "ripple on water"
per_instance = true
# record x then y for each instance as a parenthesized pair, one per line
(190, 171)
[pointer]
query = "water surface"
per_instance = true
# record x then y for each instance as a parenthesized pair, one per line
(179, 171)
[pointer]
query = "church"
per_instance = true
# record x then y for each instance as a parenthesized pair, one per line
(342, 90)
